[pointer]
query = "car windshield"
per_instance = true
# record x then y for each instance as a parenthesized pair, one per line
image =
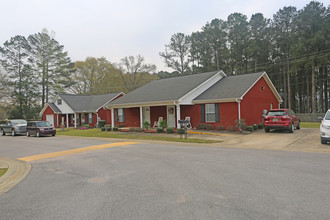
(43, 124)
(16, 122)
(327, 116)
(276, 113)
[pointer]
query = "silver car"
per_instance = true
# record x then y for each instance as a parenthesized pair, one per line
(14, 127)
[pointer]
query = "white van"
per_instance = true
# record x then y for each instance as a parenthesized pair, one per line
(325, 128)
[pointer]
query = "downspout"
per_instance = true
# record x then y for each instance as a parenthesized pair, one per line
(239, 114)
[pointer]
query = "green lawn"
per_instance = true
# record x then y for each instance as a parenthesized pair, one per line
(131, 135)
(310, 124)
(3, 171)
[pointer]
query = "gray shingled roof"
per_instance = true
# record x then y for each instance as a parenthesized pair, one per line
(87, 103)
(230, 87)
(170, 89)
(54, 107)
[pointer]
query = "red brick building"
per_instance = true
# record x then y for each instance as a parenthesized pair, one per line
(78, 110)
(212, 98)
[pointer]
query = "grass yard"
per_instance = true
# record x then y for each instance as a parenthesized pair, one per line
(96, 132)
(310, 124)
(3, 171)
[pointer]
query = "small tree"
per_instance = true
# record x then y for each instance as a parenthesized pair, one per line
(163, 124)
(146, 125)
(240, 124)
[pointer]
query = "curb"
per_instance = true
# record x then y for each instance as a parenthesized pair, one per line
(17, 171)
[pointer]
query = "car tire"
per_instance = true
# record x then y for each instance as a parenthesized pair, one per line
(298, 126)
(291, 129)
(53, 135)
(323, 141)
(13, 133)
(267, 130)
(37, 134)
(3, 133)
(27, 134)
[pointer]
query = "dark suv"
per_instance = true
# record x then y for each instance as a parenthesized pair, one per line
(39, 128)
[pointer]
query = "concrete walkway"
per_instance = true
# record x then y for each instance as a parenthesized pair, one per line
(17, 171)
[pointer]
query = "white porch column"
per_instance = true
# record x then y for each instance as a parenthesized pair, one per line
(112, 117)
(57, 124)
(67, 120)
(141, 117)
(239, 109)
(75, 120)
(178, 115)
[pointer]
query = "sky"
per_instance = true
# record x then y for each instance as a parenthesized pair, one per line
(116, 29)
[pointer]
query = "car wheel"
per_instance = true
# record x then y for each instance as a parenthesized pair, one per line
(37, 134)
(13, 133)
(291, 129)
(53, 135)
(27, 134)
(323, 141)
(3, 133)
(298, 126)
(267, 130)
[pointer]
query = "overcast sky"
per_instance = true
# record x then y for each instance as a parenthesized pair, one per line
(115, 29)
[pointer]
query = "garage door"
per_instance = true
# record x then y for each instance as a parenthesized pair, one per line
(50, 119)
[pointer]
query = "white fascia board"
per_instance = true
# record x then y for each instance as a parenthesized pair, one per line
(188, 98)
(269, 83)
(44, 109)
(216, 101)
(142, 104)
(107, 103)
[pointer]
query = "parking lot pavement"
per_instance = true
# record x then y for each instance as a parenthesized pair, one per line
(303, 140)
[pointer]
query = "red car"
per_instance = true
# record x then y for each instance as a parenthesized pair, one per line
(281, 119)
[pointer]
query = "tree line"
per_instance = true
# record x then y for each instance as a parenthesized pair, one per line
(35, 69)
(293, 48)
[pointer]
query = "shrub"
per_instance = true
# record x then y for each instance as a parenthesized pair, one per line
(160, 130)
(103, 129)
(220, 128)
(169, 130)
(240, 124)
(102, 123)
(249, 128)
(163, 124)
(146, 125)
(181, 131)
(230, 128)
(115, 129)
(108, 128)
(255, 127)
(260, 126)
(205, 127)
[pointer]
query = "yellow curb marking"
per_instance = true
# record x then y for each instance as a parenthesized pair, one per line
(74, 151)
(196, 132)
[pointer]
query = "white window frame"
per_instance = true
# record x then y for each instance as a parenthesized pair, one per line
(120, 115)
(209, 112)
(90, 118)
(59, 101)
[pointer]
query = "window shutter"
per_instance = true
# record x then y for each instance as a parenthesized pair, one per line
(92, 118)
(202, 113)
(217, 116)
(123, 115)
(116, 115)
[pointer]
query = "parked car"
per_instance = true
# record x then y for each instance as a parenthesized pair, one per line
(14, 127)
(40, 128)
(325, 128)
(281, 119)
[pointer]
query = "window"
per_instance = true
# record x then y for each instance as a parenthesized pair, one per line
(59, 101)
(210, 112)
(121, 115)
(90, 118)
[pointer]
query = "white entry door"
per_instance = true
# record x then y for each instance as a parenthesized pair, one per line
(171, 116)
(146, 114)
(50, 119)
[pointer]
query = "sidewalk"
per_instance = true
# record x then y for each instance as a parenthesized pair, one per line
(17, 171)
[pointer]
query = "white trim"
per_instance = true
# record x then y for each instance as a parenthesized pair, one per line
(67, 120)
(214, 101)
(141, 117)
(112, 118)
(191, 95)
(75, 120)
(107, 103)
(178, 115)
(143, 104)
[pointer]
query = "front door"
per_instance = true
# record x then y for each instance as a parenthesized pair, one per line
(146, 114)
(50, 119)
(171, 116)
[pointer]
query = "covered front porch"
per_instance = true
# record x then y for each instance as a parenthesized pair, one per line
(136, 116)
(76, 119)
